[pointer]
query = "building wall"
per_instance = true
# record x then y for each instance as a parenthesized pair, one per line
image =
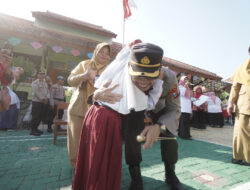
(54, 63)
(23, 47)
(61, 64)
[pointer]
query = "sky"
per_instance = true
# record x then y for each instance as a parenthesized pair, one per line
(210, 34)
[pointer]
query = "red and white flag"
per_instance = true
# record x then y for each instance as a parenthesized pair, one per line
(127, 4)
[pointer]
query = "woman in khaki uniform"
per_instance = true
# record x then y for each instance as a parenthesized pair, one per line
(240, 95)
(82, 78)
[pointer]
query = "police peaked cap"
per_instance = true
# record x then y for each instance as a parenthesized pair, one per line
(145, 60)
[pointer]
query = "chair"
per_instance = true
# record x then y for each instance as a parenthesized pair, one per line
(57, 122)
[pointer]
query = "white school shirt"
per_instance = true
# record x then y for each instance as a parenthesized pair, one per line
(214, 107)
(185, 102)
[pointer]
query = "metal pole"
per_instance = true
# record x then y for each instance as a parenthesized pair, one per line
(123, 33)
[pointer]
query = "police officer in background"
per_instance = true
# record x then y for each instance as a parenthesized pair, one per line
(40, 98)
(165, 118)
(58, 94)
(49, 113)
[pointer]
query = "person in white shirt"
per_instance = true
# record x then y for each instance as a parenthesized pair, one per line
(214, 109)
(199, 111)
(40, 97)
(186, 108)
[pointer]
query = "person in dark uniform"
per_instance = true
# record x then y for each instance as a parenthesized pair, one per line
(40, 99)
(165, 117)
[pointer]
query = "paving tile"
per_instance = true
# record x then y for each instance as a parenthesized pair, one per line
(46, 180)
(28, 162)
(14, 183)
(5, 180)
(39, 187)
(26, 185)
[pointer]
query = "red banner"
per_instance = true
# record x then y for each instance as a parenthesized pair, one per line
(126, 9)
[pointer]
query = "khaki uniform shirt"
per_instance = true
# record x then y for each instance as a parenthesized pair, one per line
(169, 103)
(240, 95)
(40, 91)
(78, 102)
(58, 93)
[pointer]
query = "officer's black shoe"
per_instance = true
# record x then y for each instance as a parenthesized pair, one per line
(35, 133)
(136, 179)
(171, 179)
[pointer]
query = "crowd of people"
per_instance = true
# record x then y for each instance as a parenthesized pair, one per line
(200, 108)
(109, 106)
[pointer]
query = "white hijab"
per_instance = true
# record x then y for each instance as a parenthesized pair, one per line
(117, 72)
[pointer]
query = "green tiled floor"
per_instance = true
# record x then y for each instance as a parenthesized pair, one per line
(28, 162)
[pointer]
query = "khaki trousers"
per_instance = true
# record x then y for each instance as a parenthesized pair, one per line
(74, 133)
(241, 139)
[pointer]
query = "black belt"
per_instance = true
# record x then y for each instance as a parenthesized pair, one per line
(58, 99)
(100, 104)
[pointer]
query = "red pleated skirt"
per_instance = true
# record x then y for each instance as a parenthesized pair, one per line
(99, 160)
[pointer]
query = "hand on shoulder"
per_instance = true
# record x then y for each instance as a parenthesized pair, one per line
(105, 94)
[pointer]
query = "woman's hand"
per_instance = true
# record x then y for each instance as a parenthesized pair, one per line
(134, 42)
(105, 94)
(91, 72)
(230, 108)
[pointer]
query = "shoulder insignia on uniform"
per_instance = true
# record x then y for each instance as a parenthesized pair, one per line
(145, 60)
(173, 92)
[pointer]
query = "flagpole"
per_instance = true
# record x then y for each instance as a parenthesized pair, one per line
(123, 35)
(127, 13)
